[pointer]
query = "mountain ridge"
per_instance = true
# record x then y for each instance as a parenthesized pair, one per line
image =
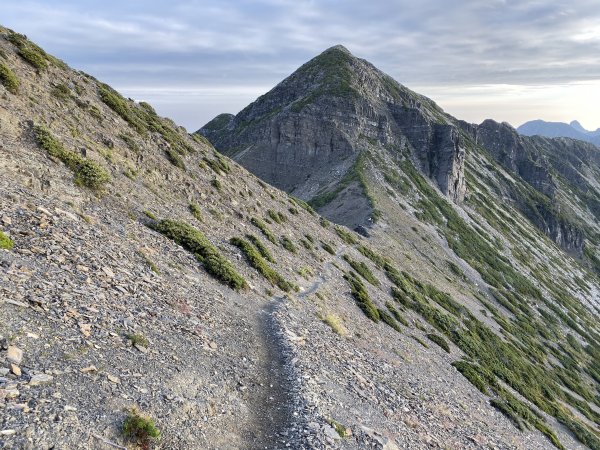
(572, 130)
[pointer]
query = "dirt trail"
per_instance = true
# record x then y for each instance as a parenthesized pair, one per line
(275, 400)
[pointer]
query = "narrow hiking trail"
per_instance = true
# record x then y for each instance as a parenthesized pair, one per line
(277, 421)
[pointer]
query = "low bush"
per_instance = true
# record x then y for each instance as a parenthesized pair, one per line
(195, 211)
(263, 250)
(335, 324)
(87, 172)
(255, 259)
(276, 216)
(194, 241)
(264, 229)
(174, 158)
(346, 236)
(396, 314)
(360, 294)
(288, 244)
(328, 248)
(388, 319)
(138, 339)
(6, 243)
(362, 269)
(8, 79)
(439, 341)
(140, 428)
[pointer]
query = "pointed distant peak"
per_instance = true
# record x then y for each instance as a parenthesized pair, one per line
(575, 124)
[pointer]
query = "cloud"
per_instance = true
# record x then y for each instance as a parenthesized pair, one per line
(202, 45)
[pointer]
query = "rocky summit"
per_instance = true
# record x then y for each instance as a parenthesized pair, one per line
(154, 293)
(309, 134)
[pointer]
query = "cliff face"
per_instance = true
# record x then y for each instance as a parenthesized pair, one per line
(561, 170)
(313, 126)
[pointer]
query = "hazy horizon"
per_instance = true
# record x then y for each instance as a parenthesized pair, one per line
(505, 60)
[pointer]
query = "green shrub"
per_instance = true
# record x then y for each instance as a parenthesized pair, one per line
(340, 429)
(255, 259)
(140, 428)
(9, 79)
(378, 260)
(288, 244)
(306, 244)
(6, 243)
(335, 324)
(276, 216)
(30, 52)
(388, 319)
(293, 211)
(61, 92)
(328, 248)
(119, 105)
(174, 158)
(216, 184)
(439, 341)
(362, 269)
(360, 294)
(346, 236)
(194, 241)
(472, 373)
(33, 57)
(130, 142)
(262, 249)
(219, 165)
(264, 229)
(87, 172)
(396, 314)
(138, 339)
(196, 212)
(150, 215)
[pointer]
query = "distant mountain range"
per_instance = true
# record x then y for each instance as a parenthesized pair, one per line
(559, 129)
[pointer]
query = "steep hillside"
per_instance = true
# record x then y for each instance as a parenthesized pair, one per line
(142, 269)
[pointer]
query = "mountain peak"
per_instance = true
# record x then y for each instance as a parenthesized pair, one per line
(575, 124)
(338, 48)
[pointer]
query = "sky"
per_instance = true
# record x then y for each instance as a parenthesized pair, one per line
(509, 60)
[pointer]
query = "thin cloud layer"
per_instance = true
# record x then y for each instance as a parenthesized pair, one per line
(195, 59)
